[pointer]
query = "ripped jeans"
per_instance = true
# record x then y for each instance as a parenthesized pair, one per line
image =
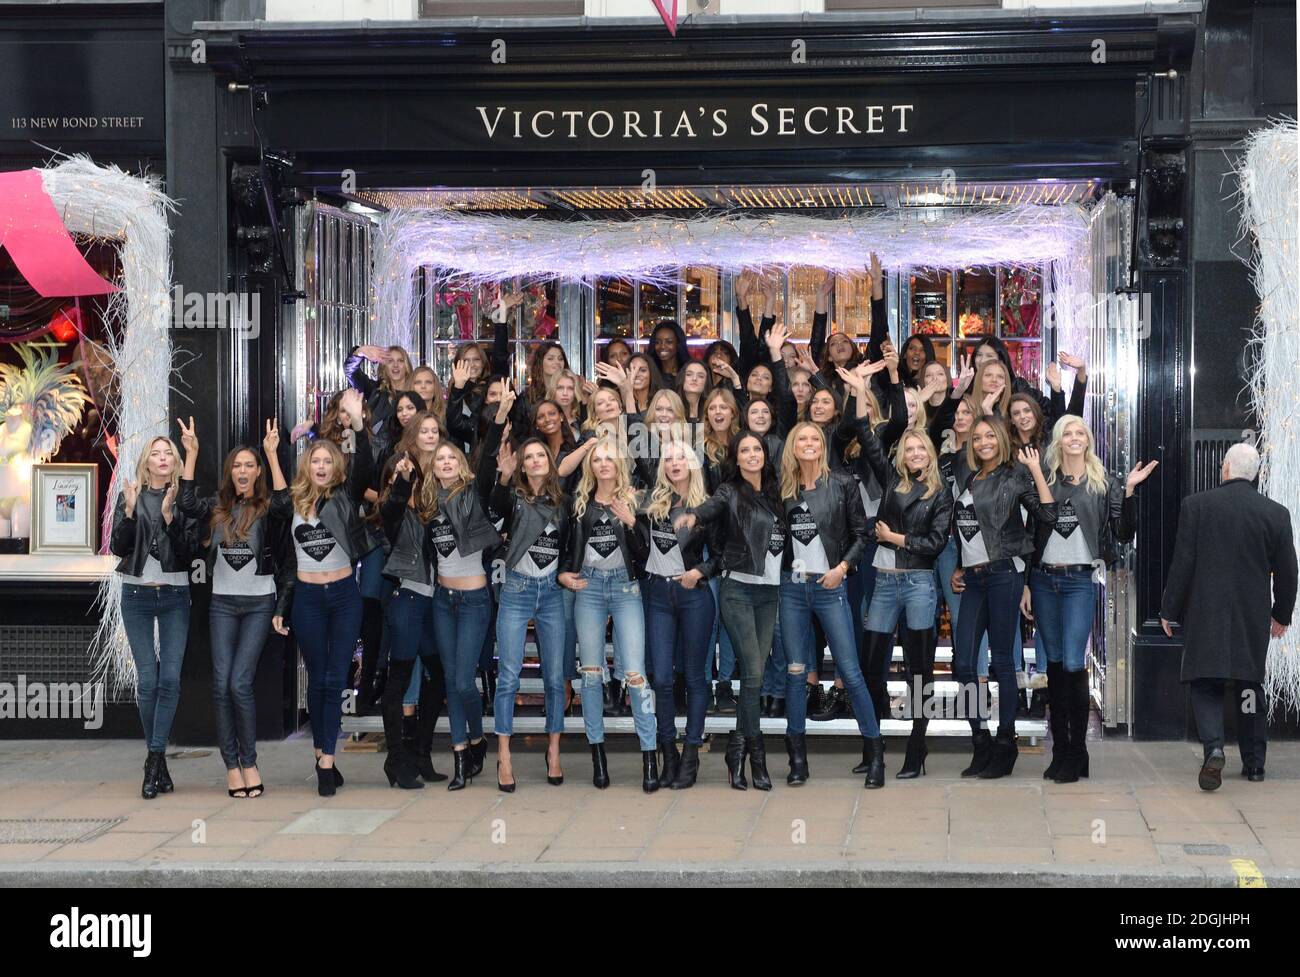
(612, 594)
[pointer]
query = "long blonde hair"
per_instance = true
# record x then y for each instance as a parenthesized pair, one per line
(930, 476)
(715, 444)
(1004, 398)
(661, 497)
(591, 424)
(304, 493)
(790, 480)
(622, 477)
(438, 406)
(142, 465)
(1094, 470)
(385, 384)
(920, 420)
(464, 476)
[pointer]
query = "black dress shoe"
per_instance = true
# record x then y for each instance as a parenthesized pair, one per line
(1211, 775)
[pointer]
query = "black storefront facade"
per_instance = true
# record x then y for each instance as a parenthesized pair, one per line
(264, 118)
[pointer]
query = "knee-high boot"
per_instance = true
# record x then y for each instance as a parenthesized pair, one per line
(399, 764)
(432, 690)
(1058, 717)
(918, 649)
(1075, 764)
(372, 635)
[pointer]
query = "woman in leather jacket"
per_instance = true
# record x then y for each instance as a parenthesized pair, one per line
(994, 542)
(679, 608)
(243, 528)
(746, 524)
(155, 542)
(913, 525)
(535, 517)
(827, 536)
(329, 537)
(607, 550)
(404, 511)
(461, 535)
(1096, 512)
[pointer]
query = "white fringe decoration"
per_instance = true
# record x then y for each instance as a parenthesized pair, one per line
(105, 201)
(1268, 177)
(487, 248)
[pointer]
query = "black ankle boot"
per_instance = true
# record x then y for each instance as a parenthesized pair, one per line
(725, 699)
(736, 761)
(875, 748)
(865, 765)
(672, 761)
(165, 785)
(1058, 718)
(834, 706)
(599, 766)
(460, 761)
(477, 755)
(796, 748)
(1003, 758)
(982, 744)
(614, 705)
(149, 788)
(402, 773)
(688, 769)
(756, 750)
(813, 705)
(914, 760)
(649, 771)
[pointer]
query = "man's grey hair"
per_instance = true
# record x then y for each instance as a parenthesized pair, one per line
(1242, 461)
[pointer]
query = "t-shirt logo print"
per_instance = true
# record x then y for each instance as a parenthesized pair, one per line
(664, 539)
(776, 541)
(802, 525)
(603, 540)
(316, 540)
(444, 541)
(546, 548)
(1067, 520)
(237, 555)
(967, 524)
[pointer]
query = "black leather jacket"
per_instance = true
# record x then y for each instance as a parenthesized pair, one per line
(267, 537)
(998, 499)
(836, 507)
(1117, 529)
(132, 537)
(633, 543)
(411, 553)
(693, 543)
(340, 510)
(924, 523)
(740, 522)
(886, 434)
(523, 521)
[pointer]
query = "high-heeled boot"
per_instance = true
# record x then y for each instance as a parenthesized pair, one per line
(431, 694)
(756, 750)
(372, 631)
(460, 775)
(1002, 760)
(796, 748)
(599, 766)
(477, 757)
(982, 747)
(399, 730)
(1058, 717)
(671, 762)
(879, 653)
(736, 761)
(649, 771)
(1075, 764)
(688, 769)
(149, 788)
(914, 760)
(876, 770)
(918, 650)
(165, 785)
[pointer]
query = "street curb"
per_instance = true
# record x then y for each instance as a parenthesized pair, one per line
(863, 874)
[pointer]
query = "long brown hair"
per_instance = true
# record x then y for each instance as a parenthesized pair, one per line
(1040, 435)
(333, 427)
(418, 485)
(464, 475)
(551, 490)
(250, 511)
(715, 443)
(977, 388)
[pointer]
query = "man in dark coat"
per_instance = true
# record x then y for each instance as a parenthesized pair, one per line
(1233, 543)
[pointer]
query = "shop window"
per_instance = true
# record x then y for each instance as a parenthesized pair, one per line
(853, 303)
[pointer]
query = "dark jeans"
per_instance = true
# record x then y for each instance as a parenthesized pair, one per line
(1252, 717)
(239, 626)
(158, 674)
(1063, 610)
(460, 619)
(327, 620)
(749, 615)
(991, 601)
(801, 602)
(678, 618)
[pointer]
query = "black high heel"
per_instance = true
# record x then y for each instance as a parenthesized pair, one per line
(165, 785)
(477, 754)
(460, 770)
(599, 766)
(504, 788)
(756, 750)
(688, 769)
(401, 775)
(149, 788)
(649, 771)
(736, 762)
(553, 781)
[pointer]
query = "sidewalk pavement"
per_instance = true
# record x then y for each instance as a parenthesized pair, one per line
(1139, 821)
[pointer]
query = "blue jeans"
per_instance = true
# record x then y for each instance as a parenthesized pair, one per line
(412, 695)
(991, 601)
(679, 618)
(613, 594)
(1063, 609)
(239, 626)
(946, 564)
(524, 599)
(327, 620)
(459, 619)
(370, 573)
(898, 592)
(158, 675)
(799, 603)
(720, 637)
(570, 637)
(861, 588)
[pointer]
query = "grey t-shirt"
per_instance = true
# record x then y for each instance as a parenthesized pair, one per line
(542, 558)
(805, 541)
(602, 551)
(234, 573)
(974, 551)
(1078, 521)
(316, 548)
(665, 558)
